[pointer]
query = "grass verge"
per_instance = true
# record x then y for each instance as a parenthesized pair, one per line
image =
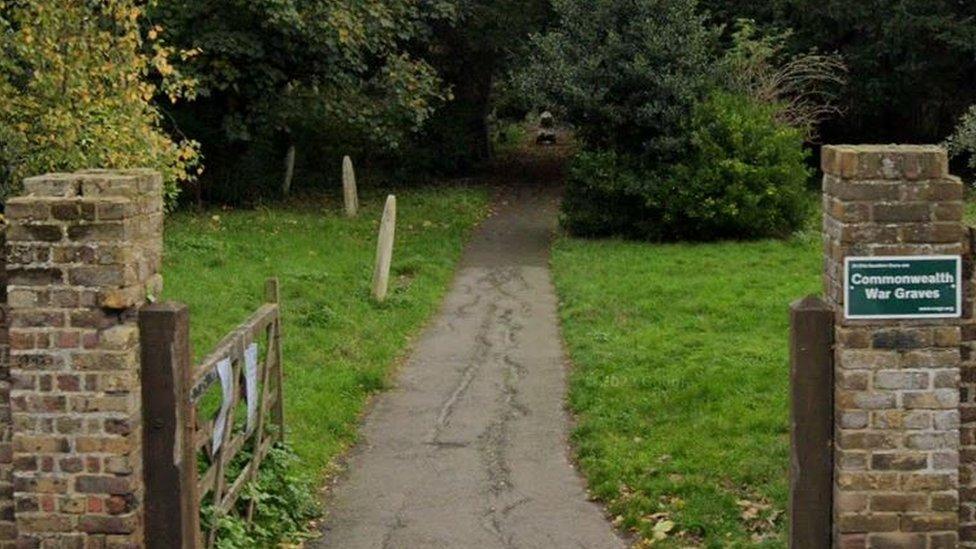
(681, 382)
(338, 345)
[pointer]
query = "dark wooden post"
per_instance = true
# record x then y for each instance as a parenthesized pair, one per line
(811, 416)
(172, 504)
(272, 294)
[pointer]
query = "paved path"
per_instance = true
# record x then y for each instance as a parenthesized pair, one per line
(470, 449)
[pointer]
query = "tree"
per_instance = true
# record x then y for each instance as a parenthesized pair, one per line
(627, 73)
(74, 92)
(474, 54)
(912, 62)
(295, 72)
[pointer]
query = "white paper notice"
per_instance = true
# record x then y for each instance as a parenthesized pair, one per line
(251, 384)
(226, 373)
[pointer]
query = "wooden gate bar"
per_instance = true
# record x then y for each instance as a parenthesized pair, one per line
(172, 513)
(811, 419)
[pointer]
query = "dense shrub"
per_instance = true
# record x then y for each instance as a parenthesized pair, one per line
(607, 196)
(743, 176)
(626, 74)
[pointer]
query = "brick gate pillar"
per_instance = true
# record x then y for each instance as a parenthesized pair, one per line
(84, 252)
(896, 458)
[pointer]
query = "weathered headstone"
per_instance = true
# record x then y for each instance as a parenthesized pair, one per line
(349, 192)
(384, 250)
(547, 129)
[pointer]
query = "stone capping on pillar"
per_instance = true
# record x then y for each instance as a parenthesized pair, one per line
(84, 253)
(896, 452)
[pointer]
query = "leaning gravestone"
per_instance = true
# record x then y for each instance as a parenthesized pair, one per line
(384, 250)
(349, 191)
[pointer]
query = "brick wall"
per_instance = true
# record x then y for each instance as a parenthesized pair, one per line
(896, 477)
(967, 411)
(8, 530)
(84, 252)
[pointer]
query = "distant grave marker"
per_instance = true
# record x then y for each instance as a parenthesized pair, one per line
(349, 191)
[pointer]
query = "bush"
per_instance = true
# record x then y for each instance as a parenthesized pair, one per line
(607, 196)
(75, 92)
(743, 176)
(626, 75)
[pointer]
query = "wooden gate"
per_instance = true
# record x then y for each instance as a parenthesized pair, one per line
(199, 420)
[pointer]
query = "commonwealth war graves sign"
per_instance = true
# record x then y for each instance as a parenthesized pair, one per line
(903, 287)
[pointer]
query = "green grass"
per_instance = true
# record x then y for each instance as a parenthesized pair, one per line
(338, 346)
(681, 381)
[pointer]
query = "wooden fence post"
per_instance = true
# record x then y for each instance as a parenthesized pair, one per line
(172, 504)
(811, 418)
(272, 294)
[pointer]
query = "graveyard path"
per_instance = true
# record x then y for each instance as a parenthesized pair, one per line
(470, 448)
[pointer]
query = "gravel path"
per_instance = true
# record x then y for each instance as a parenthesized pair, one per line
(470, 449)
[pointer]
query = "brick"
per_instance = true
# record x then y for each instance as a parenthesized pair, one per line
(34, 232)
(931, 441)
(930, 522)
(899, 502)
(87, 248)
(854, 419)
(902, 212)
(97, 524)
(91, 484)
(934, 399)
(898, 461)
(97, 232)
(902, 338)
(873, 522)
(29, 276)
(898, 541)
(901, 380)
(25, 209)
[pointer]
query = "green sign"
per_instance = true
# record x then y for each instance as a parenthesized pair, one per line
(903, 287)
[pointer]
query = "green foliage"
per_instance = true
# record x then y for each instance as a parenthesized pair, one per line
(475, 57)
(911, 62)
(606, 195)
(284, 503)
(335, 64)
(626, 73)
(74, 92)
(962, 142)
(802, 88)
(329, 77)
(743, 176)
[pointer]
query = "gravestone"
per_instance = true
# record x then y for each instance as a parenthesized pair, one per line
(349, 192)
(384, 250)
(547, 129)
